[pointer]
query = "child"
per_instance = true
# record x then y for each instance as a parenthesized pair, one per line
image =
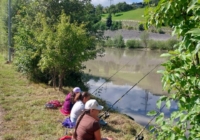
(69, 101)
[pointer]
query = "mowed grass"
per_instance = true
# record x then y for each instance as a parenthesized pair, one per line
(136, 15)
(24, 116)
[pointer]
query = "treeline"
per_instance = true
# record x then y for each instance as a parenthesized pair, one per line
(123, 7)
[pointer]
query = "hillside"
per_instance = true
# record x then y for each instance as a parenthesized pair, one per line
(136, 15)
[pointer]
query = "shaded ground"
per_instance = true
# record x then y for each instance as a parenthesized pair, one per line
(134, 34)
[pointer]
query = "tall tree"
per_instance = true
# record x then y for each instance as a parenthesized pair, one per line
(30, 49)
(182, 70)
(3, 23)
(109, 20)
(99, 9)
(66, 47)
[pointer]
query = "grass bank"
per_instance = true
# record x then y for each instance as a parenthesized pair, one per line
(24, 116)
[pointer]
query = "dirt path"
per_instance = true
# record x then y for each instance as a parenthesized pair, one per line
(134, 34)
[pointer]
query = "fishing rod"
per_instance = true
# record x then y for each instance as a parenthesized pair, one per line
(111, 77)
(141, 137)
(106, 112)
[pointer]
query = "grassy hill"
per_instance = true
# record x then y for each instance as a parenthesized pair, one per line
(136, 15)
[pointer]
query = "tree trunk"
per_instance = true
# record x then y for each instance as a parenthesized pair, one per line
(61, 77)
(54, 78)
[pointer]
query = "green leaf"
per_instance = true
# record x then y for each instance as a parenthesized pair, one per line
(197, 48)
(160, 71)
(182, 138)
(160, 118)
(168, 104)
(194, 31)
(158, 104)
(164, 127)
(172, 137)
(183, 99)
(176, 129)
(165, 55)
(152, 113)
(163, 98)
(183, 117)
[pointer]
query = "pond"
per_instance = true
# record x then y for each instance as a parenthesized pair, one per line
(132, 73)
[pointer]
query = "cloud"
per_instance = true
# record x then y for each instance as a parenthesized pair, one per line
(107, 2)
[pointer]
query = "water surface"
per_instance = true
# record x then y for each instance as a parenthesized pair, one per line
(118, 71)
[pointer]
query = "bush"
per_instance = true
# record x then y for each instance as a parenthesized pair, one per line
(161, 31)
(145, 38)
(163, 45)
(119, 41)
(116, 25)
(100, 25)
(133, 44)
(153, 44)
(130, 28)
(141, 27)
(109, 43)
(171, 43)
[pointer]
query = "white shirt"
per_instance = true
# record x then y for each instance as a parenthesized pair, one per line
(77, 109)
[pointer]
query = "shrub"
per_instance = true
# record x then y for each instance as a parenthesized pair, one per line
(161, 31)
(116, 25)
(171, 43)
(109, 43)
(133, 44)
(130, 28)
(119, 41)
(100, 25)
(141, 27)
(153, 44)
(145, 38)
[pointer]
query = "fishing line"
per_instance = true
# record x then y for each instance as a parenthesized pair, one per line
(139, 137)
(115, 73)
(111, 76)
(129, 90)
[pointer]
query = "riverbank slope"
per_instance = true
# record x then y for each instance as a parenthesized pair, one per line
(24, 116)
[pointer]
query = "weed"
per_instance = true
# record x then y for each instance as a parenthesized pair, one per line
(8, 117)
(8, 137)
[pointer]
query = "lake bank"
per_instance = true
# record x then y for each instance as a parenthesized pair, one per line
(25, 116)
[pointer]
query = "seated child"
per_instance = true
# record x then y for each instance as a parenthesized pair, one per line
(69, 101)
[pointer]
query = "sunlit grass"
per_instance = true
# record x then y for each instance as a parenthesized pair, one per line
(136, 15)
(25, 116)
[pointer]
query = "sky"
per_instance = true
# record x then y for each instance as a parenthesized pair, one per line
(107, 2)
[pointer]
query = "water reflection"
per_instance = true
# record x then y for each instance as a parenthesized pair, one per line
(135, 103)
(123, 69)
(131, 66)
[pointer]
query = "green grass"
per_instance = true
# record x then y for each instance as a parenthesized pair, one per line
(136, 15)
(24, 116)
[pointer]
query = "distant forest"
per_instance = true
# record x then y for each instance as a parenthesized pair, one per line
(123, 7)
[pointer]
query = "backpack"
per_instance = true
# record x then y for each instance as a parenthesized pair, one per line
(67, 123)
(54, 104)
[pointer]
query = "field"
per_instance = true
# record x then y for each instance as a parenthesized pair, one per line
(136, 15)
